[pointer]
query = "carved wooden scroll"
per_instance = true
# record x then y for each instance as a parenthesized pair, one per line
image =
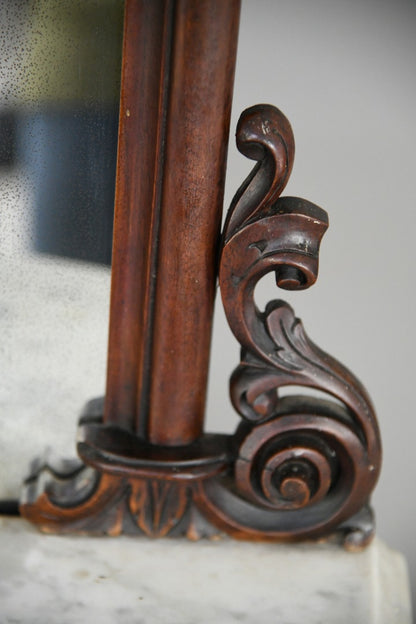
(297, 467)
(302, 465)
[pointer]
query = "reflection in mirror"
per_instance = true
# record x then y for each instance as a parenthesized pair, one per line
(59, 89)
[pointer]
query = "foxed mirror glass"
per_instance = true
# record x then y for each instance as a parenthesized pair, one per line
(59, 93)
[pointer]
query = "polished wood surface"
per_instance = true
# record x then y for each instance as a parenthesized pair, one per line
(146, 53)
(174, 123)
(199, 108)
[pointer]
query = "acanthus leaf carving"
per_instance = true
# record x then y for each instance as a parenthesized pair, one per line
(157, 506)
(303, 466)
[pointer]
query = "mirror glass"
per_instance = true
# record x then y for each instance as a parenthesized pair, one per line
(60, 81)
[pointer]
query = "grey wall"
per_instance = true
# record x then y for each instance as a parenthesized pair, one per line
(343, 72)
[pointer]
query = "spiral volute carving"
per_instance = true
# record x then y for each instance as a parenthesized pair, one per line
(302, 465)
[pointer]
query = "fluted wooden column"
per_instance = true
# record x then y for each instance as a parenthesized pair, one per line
(177, 81)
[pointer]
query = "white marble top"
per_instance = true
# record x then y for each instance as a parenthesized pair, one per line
(46, 579)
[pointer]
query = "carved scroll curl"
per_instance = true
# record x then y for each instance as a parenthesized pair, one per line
(303, 465)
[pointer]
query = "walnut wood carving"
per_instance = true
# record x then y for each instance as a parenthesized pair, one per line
(297, 467)
(302, 466)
